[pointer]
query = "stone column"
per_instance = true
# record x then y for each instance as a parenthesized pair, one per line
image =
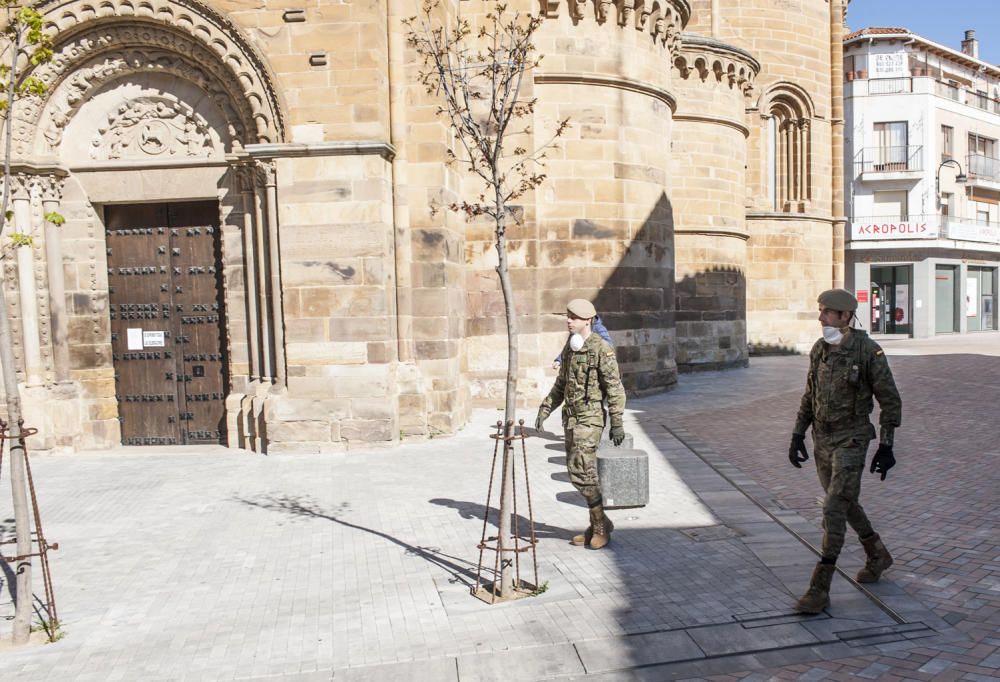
(260, 234)
(274, 259)
(52, 187)
(837, 9)
(26, 285)
(245, 179)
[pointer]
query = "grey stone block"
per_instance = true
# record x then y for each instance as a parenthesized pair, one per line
(624, 477)
(607, 446)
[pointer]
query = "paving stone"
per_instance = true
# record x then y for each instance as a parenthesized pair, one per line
(530, 663)
(637, 650)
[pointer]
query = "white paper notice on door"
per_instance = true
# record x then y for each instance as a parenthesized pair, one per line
(134, 338)
(153, 339)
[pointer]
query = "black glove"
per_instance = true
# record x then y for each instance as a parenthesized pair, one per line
(617, 435)
(883, 460)
(797, 452)
(540, 419)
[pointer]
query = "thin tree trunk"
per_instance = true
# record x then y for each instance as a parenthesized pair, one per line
(506, 499)
(19, 493)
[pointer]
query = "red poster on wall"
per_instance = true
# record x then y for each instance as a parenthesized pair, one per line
(862, 295)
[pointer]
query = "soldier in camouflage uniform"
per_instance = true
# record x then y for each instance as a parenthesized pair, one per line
(846, 369)
(588, 374)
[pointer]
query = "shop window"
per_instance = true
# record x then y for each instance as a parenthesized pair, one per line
(980, 295)
(891, 296)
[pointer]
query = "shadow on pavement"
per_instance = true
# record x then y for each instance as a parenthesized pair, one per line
(463, 573)
(474, 510)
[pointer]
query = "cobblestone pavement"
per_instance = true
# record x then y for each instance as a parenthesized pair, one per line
(938, 510)
(209, 564)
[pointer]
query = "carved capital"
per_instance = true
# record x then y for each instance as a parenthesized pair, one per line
(243, 171)
(20, 186)
(51, 187)
(268, 173)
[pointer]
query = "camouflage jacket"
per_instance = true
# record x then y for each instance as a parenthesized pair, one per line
(841, 383)
(586, 377)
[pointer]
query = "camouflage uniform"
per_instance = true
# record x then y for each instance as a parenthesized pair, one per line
(586, 377)
(837, 401)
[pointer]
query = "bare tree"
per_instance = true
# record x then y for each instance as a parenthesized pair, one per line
(25, 45)
(479, 73)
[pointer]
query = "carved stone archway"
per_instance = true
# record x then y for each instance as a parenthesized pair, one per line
(95, 45)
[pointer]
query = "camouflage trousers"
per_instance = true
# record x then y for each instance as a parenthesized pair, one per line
(581, 458)
(840, 462)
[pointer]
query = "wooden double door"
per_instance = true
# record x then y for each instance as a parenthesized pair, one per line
(167, 322)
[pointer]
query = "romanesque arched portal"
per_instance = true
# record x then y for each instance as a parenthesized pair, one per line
(158, 293)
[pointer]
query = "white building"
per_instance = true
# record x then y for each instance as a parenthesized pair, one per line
(923, 183)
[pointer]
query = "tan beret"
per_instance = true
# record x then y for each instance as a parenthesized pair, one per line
(838, 299)
(582, 308)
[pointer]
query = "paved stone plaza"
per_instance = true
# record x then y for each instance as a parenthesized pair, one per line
(213, 564)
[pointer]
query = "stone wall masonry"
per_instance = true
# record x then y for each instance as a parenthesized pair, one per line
(436, 241)
(345, 99)
(339, 303)
(790, 265)
(604, 230)
(791, 40)
(712, 81)
(655, 206)
(86, 284)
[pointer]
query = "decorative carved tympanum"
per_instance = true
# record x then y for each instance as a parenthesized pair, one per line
(153, 127)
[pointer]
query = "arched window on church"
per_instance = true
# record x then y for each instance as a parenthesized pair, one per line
(789, 149)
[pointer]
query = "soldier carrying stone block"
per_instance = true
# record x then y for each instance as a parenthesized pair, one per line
(588, 375)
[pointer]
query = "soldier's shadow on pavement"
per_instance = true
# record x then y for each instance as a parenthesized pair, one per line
(474, 510)
(461, 571)
(544, 435)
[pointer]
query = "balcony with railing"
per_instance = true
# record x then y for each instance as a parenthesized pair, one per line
(982, 101)
(889, 163)
(971, 229)
(923, 226)
(948, 91)
(984, 171)
(889, 86)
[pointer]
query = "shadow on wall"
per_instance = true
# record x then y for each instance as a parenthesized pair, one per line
(636, 301)
(711, 316)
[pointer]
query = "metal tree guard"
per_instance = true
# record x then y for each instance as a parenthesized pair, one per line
(490, 592)
(52, 624)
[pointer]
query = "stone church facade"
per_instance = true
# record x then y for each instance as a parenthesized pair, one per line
(252, 255)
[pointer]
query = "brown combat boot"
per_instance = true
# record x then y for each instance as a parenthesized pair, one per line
(585, 537)
(879, 559)
(601, 526)
(817, 597)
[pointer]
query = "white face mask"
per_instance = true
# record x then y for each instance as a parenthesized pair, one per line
(576, 342)
(832, 335)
